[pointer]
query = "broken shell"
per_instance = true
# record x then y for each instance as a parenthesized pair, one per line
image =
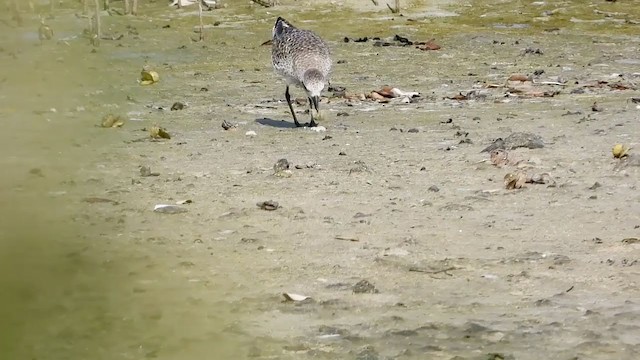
(386, 91)
(620, 150)
(268, 205)
(169, 209)
(112, 121)
(149, 77)
(157, 132)
(400, 93)
(229, 126)
(519, 77)
(294, 297)
(515, 180)
(281, 165)
(377, 97)
(430, 45)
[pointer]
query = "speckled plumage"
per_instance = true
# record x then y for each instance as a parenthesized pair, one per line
(303, 59)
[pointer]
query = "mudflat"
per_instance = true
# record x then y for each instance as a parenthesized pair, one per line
(397, 227)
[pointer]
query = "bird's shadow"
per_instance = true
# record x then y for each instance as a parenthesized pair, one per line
(276, 123)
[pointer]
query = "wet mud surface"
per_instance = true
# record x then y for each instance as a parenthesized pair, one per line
(393, 222)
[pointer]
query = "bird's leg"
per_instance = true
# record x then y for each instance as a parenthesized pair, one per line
(288, 97)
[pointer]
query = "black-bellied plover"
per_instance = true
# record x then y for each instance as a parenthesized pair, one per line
(303, 59)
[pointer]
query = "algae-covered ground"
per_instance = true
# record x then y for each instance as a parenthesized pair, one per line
(392, 221)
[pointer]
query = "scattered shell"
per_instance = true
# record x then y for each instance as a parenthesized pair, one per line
(268, 205)
(515, 180)
(377, 97)
(392, 92)
(429, 45)
(145, 171)
(294, 297)
(177, 106)
(501, 157)
(360, 167)
(400, 93)
(516, 140)
(318, 129)
(519, 77)
(112, 121)
(631, 240)
(157, 132)
(169, 209)
(229, 126)
(281, 168)
(251, 133)
(96, 200)
(281, 165)
(364, 287)
(627, 161)
(596, 108)
(148, 77)
(620, 150)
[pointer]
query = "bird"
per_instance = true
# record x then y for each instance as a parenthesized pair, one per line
(303, 59)
(44, 31)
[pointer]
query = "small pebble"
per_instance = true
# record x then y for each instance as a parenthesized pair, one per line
(413, 130)
(319, 128)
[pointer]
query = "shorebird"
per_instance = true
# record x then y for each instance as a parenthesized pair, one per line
(303, 59)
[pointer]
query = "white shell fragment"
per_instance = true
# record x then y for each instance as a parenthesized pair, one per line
(169, 209)
(250, 133)
(400, 93)
(318, 128)
(191, 2)
(294, 297)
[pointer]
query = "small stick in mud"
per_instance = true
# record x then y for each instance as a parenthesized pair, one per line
(201, 22)
(15, 9)
(396, 8)
(433, 272)
(96, 33)
(130, 7)
(265, 3)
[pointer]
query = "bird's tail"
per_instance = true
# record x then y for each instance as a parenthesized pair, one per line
(279, 27)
